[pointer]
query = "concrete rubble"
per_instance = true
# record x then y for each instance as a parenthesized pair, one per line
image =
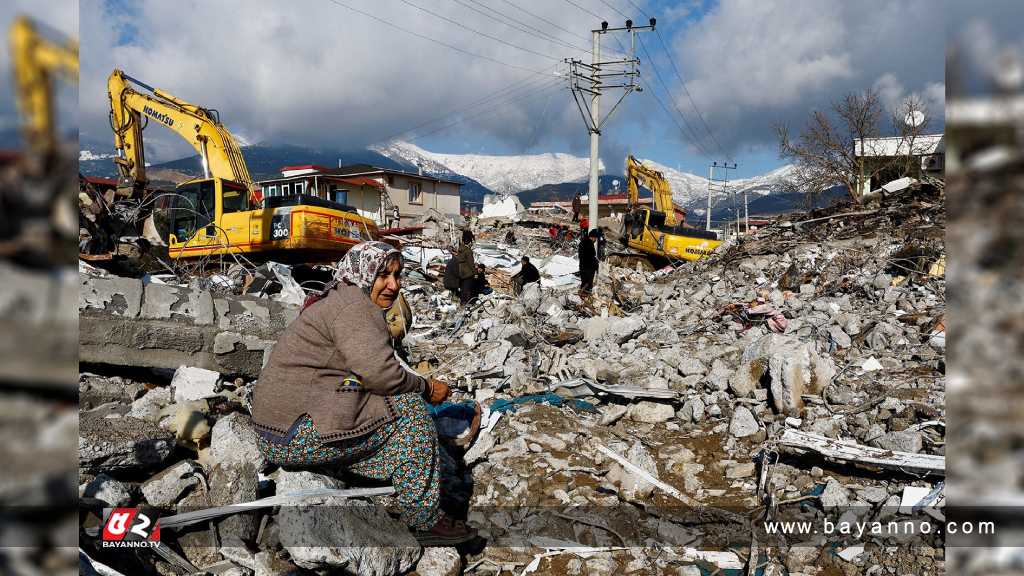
(692, 374)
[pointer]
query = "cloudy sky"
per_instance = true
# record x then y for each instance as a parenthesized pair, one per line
(348, 73)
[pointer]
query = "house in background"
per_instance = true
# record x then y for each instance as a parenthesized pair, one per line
(885, 159)
(391, 198)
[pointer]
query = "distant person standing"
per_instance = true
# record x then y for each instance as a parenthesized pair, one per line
(588, 261)
(466, 267)
(576, 203)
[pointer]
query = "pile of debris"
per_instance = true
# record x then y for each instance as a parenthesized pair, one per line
(652, 426)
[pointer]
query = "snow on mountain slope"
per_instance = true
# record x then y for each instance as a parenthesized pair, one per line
(88, 155)
(691, 190)
(499, 173)
(527, 172)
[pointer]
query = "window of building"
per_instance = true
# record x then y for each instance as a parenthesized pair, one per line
(285, 189)
(415, 193)
(272, 191)
(340, 196)
(391, 180)
(300, 187)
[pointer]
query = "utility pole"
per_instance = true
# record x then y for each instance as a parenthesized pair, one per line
(718, 185)
(590, 79)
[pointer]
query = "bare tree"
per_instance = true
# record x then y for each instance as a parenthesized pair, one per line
(831, 149)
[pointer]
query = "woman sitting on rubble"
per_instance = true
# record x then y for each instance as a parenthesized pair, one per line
(334, 393)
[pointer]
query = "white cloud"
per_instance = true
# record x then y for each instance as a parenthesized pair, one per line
(754, 63)
(311, 71)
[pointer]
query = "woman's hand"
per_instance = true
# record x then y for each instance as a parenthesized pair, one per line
(436, 391)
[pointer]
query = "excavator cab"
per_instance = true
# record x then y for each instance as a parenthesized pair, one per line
(199, 205)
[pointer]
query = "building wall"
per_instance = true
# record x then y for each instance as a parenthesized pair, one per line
(440, 196)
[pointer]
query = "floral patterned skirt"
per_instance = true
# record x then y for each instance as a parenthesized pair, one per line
(403, 452)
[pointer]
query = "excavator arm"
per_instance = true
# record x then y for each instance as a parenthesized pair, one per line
(38, 59)
(636, 174)
(130, 109)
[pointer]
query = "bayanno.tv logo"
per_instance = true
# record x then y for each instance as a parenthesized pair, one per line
(130, 528)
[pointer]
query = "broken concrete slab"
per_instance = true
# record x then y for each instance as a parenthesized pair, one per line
(743, 423)
(233, 441)
(650, 412)
(166, 488)
(193, 383)
(149, 406)
(341, 533)
(113, 492)
(793, 368)
(905, 441)
(438, 561)
(631, 485)
(126, 443)
(116, 296)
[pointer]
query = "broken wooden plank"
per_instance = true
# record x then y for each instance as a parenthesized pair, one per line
(197, 516)
(633, 392)
(852, 453)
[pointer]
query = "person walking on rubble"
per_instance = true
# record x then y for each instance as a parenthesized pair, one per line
(576, 205)
(588, 261)
(466, 267)
(333, 393)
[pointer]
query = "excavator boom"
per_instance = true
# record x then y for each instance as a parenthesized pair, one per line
(38, 59)
(200, 127)
(637, 173)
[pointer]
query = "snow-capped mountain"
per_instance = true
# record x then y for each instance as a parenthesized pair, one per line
(529, 172)
(89, 155)
(498, 173)
(691, 190)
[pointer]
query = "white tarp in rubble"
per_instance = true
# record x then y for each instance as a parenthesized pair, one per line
(423, 256)
(291, 292)
(559, 271)
(507, 207)
(495, 256)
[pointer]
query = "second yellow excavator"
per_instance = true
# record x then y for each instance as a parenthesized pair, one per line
(222, 213)
(655, 232)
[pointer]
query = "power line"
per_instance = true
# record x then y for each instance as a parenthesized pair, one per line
(641, 10)
(543, 89)
(492, 98)
(621, 13)
(675, 120)
(526, 28)
(688, 96)
(585, 10)
(543, 19)
(475, 31)
(661, 81)
(434, 40)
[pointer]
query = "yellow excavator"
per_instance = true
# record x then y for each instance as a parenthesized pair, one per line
(37, 214)
(38, 60)
(656, 233)
(222, 212)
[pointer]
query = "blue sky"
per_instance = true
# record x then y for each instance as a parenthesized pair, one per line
(318, 73)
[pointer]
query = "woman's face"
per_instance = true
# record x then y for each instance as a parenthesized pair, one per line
(387, 284)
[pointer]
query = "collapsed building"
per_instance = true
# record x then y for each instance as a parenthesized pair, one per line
(653, 427)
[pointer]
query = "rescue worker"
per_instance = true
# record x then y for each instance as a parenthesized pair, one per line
(466, 267)
(527, 273)
(588, 262)
(333, 393)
